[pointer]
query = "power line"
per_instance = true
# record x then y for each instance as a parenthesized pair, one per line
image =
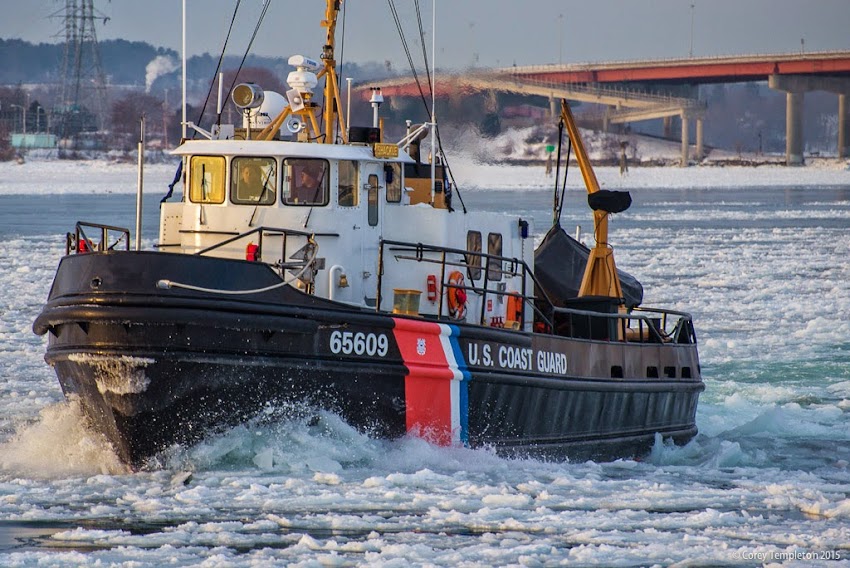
(83, 80)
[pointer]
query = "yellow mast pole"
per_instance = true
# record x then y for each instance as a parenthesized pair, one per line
(600, 274)
(338, 99)
(332, 97)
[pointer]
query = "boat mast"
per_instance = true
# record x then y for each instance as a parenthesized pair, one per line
(184, 124)
(332, 97)
(433, 98)
(333, 101)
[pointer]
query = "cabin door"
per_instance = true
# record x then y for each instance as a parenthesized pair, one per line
(372, 191)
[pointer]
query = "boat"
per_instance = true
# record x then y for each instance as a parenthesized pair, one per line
(313, 266)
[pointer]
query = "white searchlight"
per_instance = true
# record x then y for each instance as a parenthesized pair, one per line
(247, 95)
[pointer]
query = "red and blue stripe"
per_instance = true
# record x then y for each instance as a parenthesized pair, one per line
(436, 386)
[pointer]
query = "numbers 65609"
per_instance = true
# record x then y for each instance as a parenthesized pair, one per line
(359, 343)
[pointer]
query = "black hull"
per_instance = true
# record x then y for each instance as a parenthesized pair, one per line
(156, 367)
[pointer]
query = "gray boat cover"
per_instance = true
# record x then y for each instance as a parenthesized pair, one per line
(559, 264)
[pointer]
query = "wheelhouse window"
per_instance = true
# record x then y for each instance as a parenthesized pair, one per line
(494, 247)
(206, 179)
(253, 181)
(306, 181)
(473, 261)
(392, 174)
(348, 183)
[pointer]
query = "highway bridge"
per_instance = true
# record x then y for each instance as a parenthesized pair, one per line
(641, 90)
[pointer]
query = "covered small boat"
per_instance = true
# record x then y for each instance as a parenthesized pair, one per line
(314, 268)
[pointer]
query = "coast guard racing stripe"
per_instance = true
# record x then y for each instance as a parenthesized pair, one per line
(436, 387)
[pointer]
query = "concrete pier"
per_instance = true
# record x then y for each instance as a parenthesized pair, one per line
(700, 153)
(843, 123)
(795, 86)
(793, 129)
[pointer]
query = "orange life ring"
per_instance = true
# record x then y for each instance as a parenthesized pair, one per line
(456, 295)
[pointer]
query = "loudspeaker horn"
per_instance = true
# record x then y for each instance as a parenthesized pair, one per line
(296, 101)
(294, 124)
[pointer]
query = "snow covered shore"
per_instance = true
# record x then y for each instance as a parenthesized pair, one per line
(478, 169)
(471, 175)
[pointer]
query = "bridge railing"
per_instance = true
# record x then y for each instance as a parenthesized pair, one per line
(625, 94)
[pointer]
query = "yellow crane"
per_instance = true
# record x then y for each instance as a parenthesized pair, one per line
(600, 274)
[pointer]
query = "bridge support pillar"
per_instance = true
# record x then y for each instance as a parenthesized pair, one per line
(553, 110)
(843, 123)
(794, 129)
(685, 141)
(700, 154)
(795, 86)
(668, 126)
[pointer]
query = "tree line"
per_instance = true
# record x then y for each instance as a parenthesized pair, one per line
(142, 79)
(139, 79)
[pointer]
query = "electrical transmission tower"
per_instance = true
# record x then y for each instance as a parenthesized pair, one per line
(83, 82)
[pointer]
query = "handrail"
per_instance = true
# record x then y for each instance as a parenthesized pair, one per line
(272, 231)
(280, 265)
(650, 329)
(80, 243)
(652, 323)
(421, 248)
(261, 230)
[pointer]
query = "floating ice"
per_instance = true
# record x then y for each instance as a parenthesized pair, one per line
(761, 269)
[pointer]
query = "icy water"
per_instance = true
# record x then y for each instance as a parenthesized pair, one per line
(765, 272)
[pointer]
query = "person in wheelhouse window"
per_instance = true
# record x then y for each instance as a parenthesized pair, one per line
(253, 181)
(308, 181)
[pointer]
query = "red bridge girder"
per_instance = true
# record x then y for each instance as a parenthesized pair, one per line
(743, 68)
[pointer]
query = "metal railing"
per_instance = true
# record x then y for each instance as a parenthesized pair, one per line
(629, 97)
(262, 232)
(463, 259)
(80, 243)
(640, 325)
(644, 325)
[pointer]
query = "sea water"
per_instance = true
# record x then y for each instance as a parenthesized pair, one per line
(763, 268)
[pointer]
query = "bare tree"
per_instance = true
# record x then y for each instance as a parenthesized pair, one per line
(126, 114)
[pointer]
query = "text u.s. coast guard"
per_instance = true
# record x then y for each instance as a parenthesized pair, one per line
(516, 358)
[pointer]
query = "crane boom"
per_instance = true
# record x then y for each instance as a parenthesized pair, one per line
(600, 274)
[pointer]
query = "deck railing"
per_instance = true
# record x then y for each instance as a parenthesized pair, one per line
(262, 232)
(79, 242)
(604, 321)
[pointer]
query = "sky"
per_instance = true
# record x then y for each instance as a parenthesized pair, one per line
(469, 33)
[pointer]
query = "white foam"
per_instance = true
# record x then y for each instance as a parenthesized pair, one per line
(58, 445)
(118, 374)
